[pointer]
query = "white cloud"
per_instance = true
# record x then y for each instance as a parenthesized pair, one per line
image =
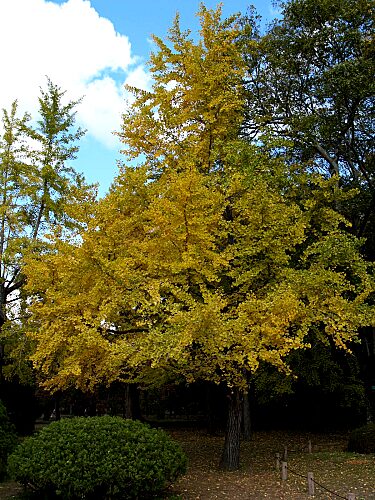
(101, 110)
(77, 49)
(139, 78)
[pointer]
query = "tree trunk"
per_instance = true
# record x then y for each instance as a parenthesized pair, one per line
(230, 459)
(215, 398)
(246, 417)
(131, 402)
(2, 358)
(57, 407)
(2, 321)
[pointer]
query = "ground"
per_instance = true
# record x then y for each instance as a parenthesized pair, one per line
(9, 489)
(258, 478)
(333, 468)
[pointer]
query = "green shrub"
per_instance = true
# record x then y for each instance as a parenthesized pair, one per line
(8, 439)
(362, 440)
(97, 458)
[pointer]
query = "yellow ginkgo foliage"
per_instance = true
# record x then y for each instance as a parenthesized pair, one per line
(185, 277)
(204, 260)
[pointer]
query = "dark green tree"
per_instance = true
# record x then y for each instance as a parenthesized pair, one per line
(310, 86)
(310, 98)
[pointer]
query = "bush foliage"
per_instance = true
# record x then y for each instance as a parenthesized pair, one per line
(8, 439)
(97, 458)
(362, 440)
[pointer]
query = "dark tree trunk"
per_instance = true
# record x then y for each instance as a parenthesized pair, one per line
(57, 407)
(246, 417)
(214, 408)
(131, 402)
(2, 358)
(2, 321)
(230, 459)
(48, 407)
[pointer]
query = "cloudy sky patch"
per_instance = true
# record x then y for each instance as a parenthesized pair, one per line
(87, 48)
(78, 49)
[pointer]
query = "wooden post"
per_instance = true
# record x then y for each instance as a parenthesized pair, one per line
(278, 461)
(285, 453)
(310, 482)
(351, 496)
(284, 471)
(310, 446)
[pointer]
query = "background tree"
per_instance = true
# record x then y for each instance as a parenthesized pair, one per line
(37, 186)
(310, 94)
(324, 391)
(310, 81)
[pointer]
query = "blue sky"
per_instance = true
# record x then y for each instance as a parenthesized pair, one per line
(91, 48)
(138, 19)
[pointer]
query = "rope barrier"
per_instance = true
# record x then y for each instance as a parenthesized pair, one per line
(315, 482)
(329, 491)
(296, 473)
(310, 476)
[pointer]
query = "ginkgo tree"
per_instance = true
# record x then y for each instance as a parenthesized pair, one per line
(207, 258)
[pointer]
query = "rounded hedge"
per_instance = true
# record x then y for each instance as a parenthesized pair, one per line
(362, 440)
(97, 458)
(8, 439)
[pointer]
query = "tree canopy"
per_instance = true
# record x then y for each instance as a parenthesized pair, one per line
(208, 257)
(310, 82)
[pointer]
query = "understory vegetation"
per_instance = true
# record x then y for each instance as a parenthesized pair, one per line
(8, 439)
(97, 458)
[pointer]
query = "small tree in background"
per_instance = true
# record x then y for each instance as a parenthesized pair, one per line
(38, 191)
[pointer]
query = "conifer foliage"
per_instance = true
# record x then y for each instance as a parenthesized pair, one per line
(39, 189)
